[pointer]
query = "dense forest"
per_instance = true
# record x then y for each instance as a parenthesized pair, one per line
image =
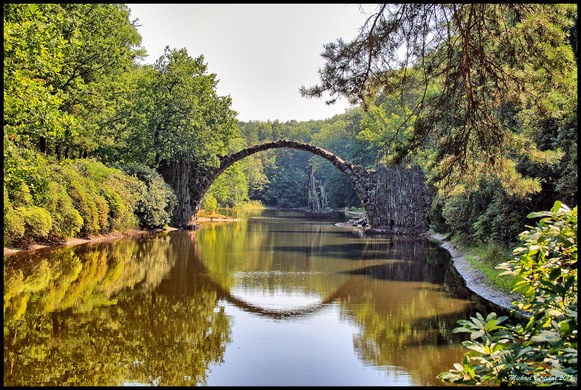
(487, 107)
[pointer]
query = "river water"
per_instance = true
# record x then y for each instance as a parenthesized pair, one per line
(273, 299)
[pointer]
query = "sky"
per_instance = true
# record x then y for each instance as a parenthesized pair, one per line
(261, 53)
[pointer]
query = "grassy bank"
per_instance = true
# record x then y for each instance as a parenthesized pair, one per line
(485, 258)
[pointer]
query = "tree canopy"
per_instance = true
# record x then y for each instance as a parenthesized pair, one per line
(64, 74)
(176, 113)
(486, 76)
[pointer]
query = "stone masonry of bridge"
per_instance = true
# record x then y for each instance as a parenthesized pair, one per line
(394, 198)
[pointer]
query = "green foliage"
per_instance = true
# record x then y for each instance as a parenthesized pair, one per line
(488, 215)
(543, 349)
(37, 221)
(83, 192)
(287, 180)
(13, 226)
(65, 74)
(340, 135)
(176, 114)
(156, 199)
(209, 203)
(78, 197)
(25, 173)
(119, 190)
(230, 189)
(67, 220)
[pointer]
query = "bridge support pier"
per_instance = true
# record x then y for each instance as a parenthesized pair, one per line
(398, 201)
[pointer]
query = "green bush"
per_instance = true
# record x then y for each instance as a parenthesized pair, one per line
(25, 174)
(456, 214)
(82, 192)
(155, 201)
(13, 226)
(121, 192)
(67, 221)
(37, 221)
(543, 349)
(25, 222)
(48, 200)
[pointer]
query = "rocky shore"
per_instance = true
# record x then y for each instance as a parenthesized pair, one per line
(475, 280)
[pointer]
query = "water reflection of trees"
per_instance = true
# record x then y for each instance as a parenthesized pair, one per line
(101, 315)
(146, 311)
(408, 322)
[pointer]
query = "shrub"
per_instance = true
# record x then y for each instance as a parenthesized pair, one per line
(67, 221)
(82, 192)
(155, 201)
(37, 221)
(76, 197)
(121, 192)
(543, 349)
(13, 226)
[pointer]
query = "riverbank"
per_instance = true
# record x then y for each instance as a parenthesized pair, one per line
(476, 281)
(132, 233)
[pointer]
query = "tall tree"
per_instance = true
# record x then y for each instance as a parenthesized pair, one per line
(477, 66)
(179, 124)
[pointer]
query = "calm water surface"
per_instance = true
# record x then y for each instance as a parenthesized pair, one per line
(269, 300)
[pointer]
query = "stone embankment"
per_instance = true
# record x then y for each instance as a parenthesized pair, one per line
(475, 279)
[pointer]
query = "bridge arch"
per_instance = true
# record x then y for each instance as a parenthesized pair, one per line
(358, 176)
(394, 198)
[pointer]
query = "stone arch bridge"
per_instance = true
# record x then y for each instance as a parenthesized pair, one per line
(394, 198)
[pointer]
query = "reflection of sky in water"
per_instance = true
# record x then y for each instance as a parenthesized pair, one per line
(301, 352)
(280, 297)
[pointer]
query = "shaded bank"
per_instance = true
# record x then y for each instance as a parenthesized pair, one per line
(476, 281)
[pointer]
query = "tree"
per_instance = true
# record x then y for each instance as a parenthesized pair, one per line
(179, 124)
(64, 74)
(488, 74)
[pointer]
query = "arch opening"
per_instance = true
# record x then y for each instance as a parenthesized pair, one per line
(358, 177)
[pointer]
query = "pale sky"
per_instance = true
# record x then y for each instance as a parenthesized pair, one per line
(261, 53)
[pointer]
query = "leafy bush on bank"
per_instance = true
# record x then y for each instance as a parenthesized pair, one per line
(541, 350)
(156, 198)
(46, 200)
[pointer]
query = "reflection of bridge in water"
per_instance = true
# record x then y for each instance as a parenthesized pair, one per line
(276, 314)
(442, 276)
